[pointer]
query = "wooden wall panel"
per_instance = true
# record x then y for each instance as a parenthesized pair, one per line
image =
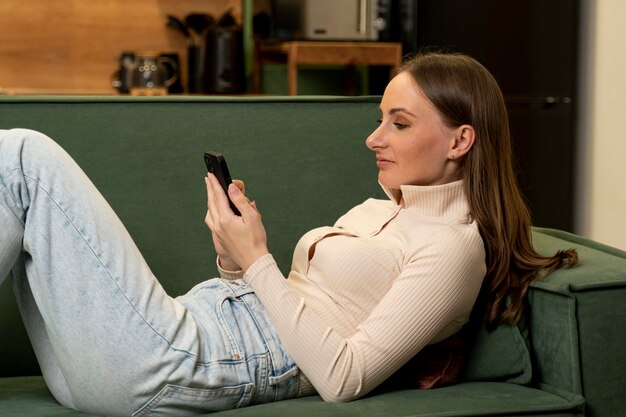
(72, 46)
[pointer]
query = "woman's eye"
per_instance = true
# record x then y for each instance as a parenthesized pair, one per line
(398, 125)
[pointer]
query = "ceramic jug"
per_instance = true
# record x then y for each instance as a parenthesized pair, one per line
(151, 71)
(145, 71)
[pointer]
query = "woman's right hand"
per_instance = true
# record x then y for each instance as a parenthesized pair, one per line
(225, 260)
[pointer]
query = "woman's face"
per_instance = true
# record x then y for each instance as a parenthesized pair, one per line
(412, 144)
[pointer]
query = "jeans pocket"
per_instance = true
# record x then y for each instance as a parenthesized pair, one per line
(176, 400)
(291, 373)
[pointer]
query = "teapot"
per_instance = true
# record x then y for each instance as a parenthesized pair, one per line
(145, 71)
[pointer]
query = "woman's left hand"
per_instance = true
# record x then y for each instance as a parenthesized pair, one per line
(242, 236)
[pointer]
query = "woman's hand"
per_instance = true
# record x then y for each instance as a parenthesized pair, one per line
(225, 260)
(239, 240)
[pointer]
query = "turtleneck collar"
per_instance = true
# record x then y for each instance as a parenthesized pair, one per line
(446, 200)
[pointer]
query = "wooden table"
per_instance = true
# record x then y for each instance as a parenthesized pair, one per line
(348, 54)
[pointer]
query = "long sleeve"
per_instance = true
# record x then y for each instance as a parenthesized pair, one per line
(438, 283)
(226, 274)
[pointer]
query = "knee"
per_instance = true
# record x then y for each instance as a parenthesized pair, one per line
(32, 138)
(34, 146)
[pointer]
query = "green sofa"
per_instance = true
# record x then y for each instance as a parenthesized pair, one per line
(305, 163)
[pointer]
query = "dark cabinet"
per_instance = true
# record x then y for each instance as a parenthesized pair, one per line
(531, 47)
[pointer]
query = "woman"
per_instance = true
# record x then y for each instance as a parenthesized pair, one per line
(364, 296)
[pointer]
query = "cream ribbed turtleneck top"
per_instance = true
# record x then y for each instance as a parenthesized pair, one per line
(365, 295)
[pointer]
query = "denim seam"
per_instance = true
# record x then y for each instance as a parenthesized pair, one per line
(262, 335)
(108, 273)
(235, 348)
(4, 187)
(231, 361)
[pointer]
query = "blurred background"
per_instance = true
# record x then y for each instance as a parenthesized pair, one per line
(559, 62)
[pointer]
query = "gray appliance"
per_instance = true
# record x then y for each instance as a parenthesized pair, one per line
(359, 20)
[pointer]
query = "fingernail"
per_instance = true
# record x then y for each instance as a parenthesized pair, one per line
(232, 188)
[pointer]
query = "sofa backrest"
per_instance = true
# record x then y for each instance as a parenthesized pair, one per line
(303, 159)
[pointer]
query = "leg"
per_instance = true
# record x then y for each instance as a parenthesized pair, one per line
(104, 329)
(36, 329)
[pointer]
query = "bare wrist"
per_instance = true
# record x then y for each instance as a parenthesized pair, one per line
(253, 258)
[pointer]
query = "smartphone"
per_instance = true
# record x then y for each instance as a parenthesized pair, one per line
(216, 164)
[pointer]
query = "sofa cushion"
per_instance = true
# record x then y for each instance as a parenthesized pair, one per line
(28, 396)
(502, 354)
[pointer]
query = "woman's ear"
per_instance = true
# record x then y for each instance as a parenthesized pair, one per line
(463, 140)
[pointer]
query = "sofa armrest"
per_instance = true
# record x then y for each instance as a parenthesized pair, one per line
(576, 322)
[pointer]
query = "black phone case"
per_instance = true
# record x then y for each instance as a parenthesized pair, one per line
(216, 164)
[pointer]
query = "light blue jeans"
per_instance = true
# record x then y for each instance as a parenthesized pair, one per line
(108, 338)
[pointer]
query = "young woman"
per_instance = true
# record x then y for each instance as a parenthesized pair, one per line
(363, 297)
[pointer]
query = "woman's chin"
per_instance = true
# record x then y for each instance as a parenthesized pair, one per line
(387, 183)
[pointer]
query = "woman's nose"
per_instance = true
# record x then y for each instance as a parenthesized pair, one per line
(375, 139)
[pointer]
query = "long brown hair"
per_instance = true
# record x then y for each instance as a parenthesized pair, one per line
(464, 92)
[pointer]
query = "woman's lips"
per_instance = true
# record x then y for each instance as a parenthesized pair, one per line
(383, 163)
